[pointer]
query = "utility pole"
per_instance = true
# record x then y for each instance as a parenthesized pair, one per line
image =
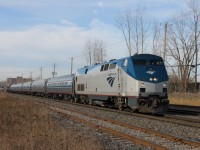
(31, 76)
(54, 70)
(196, 51)
(165, 43)
(71, 65)
(40, 72)
(22, 78)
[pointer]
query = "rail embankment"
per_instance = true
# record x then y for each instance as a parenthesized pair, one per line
(188, 99)
(25, 125)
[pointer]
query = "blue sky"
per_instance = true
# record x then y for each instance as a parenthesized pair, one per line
(39, 33)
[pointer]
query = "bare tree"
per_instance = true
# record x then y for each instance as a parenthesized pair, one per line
(88, 51)
(180, 48)
(94, 51)
(125, 24)
(134, 29)
(156, 39)
(140, 32)
(194, 9)
(183, 44)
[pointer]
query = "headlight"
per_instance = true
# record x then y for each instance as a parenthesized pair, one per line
(155, 79)
(142, 84)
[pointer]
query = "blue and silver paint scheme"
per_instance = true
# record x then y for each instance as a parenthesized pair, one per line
(140, 79)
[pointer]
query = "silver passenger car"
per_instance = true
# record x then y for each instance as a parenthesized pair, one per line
(16, 88)
(59, 87)
(26, 87)
(38, 87)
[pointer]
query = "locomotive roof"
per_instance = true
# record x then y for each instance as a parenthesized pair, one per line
(146, 56)
(61, 78)
(27, 83)
(136, 56)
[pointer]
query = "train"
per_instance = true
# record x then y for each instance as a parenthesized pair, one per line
(138, 82)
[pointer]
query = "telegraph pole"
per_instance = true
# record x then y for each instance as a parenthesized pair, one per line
(71, 65)
(22, 78)
(31, 76)
(196, 51)
(165, 43)
(54, 70)
(40, 72)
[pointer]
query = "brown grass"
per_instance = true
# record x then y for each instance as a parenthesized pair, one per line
(24, 125)
(190, 99)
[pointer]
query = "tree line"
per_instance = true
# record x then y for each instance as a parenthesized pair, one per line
(177, 41)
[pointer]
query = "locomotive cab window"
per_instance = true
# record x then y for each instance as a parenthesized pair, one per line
(102, 67)
(141, 62)
(86, 70)
(124, 63)
(156, 62)
(106, 67)
(112, 66)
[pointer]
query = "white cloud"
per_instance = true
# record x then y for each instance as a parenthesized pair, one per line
(95, 11)
(44, 45)
(100, 4)
(67, 23)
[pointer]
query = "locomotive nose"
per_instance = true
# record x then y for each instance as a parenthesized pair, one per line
(146, 89)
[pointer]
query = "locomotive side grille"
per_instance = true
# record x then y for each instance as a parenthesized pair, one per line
(164, 90)
(80, 87)
(142, 90)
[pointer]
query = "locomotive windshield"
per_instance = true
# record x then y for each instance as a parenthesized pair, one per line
(141, 62)
(145, 62)
(155, 62)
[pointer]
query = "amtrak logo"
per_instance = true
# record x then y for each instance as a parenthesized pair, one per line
(111, 80)
(150, 72)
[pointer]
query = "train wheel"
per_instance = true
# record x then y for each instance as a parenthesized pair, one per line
(120, 108)
(75, 100)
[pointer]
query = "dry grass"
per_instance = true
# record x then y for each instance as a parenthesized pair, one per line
(28, 126)
(190, 99)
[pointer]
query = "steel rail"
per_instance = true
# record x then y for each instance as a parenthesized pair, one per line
(183, 118)
(176, 120)
(148, 131)
(162, 135)
(115, 133)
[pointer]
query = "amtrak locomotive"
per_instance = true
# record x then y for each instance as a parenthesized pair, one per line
(138, 82)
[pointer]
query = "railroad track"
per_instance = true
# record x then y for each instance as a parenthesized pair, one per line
(166, 118)
(184, 109)
(181, 118)
(123, 130)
